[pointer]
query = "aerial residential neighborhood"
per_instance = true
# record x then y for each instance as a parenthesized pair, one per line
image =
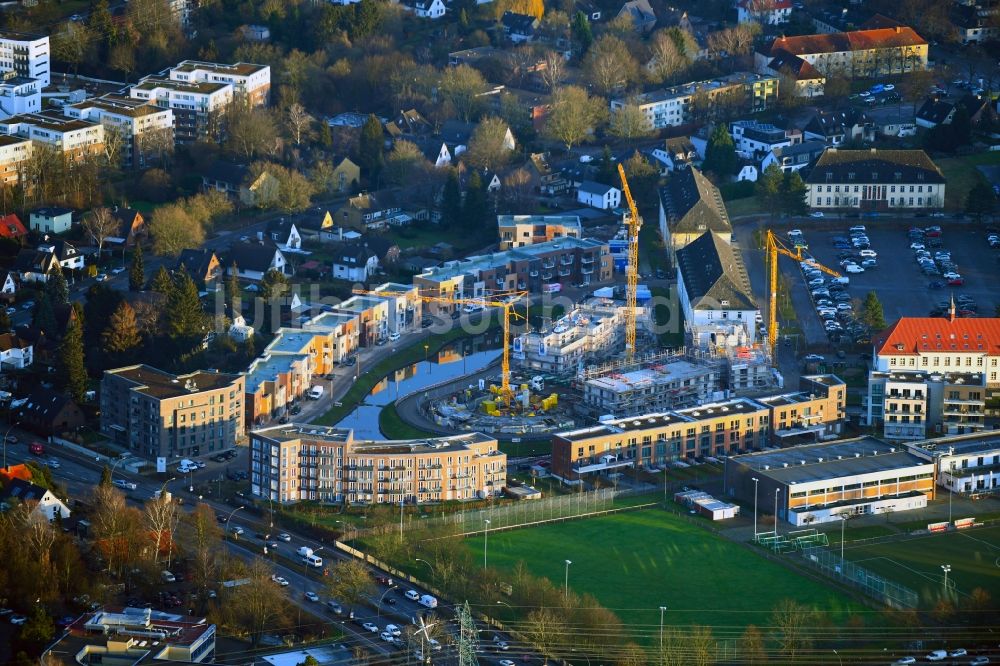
(507, 332)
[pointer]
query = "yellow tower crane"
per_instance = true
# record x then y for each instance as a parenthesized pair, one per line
(632, 269)
(506, 300)
(773, 246)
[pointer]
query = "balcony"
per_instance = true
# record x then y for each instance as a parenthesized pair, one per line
(586, 259)
(533, 274)
(548, 264)
(586, 271)
(566, 261)
(565, 272)
(522, 285)
(547, 276)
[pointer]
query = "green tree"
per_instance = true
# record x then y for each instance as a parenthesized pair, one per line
(871, 312)
(136, 271)
(325, 135)
(371, 147)
(720, 153)
(121, 337)
(981, 200)
(451, 201)
(42, 315)
(793, 194)
(476, 207)
(39, 629)
(273, 284)
(574, 115)
(162, 283)
(581, 31)
(768, 186)
(233, 286)
(185, 317)
(105, 476)
(607, 170)
(73, 369)
(56, 287)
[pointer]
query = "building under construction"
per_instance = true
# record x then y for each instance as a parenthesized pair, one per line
(593, 332)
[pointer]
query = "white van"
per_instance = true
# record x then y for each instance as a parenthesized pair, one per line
(315, 393)
(412, 595)
(167, 577)
(313, 560)
(429, 601)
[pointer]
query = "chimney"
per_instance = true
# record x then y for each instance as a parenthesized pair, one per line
(898, 29)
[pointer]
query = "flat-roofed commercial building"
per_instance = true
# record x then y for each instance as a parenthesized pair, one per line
(967, 464)
(817, 483)
(521, 230)
(292, 463)
(157, 414)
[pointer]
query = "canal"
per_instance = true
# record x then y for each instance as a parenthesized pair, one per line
(454, 360)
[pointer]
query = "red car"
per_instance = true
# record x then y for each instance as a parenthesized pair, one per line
(956, 282)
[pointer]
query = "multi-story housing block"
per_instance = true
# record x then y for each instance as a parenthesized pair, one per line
(19, 94)
(521, 230)
(293, 463)
(144, 130)
(160, 416)
(14, 152)
(590, 333)
(250, 82)
(75, 139)
(199, 108)
(25, 54)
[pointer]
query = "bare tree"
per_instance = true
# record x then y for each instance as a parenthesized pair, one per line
(205, 544)
(752, 647)
(114, 145)
(251, 132)
(516, 184)
(350, 581)
(73, 43)
(791, 621)
(116, 530)
(609, 65)
(702, 646)
(173, 229)
(554, 71)
(259, 605)
(461, 87)
(574, 115)
(665, 58)
(154, 143)
(545, 629)
(99, 226)
(299, 122)
(160, 517)
(630, 122)
(489, 147)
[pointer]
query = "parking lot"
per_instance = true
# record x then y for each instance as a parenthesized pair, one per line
(898, 280)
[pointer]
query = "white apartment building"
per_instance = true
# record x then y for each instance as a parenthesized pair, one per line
(753, 139)
(19, 94)
(197, 107)
(967, 464)
(589, 333)
(14, 150)
(73, 137)
(251, 82)
(26, 55)
(143, 126)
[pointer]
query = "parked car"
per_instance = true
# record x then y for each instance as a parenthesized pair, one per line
(370, 626)
(817, 213)
(124, 484)
(284, 536)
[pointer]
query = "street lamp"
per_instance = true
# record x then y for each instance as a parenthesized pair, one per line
(566, 591)
(662, 608)
(429, 565)
(755, 485)
(229, 518)
(486, 540)
(380, 599)
(839, 658)
(401, 503)
(776, 491)
(843, 522)
(946, 568)
(5, 435)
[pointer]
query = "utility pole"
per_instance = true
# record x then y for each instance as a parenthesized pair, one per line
(467, 642)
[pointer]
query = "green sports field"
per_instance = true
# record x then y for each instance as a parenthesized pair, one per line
(635, 562)
(974, 556)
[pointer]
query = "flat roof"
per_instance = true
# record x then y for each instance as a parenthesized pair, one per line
(652, 376)
(562, 220)
(360, 303)
(830, 460)
(51, 121)
(267, 367)
(162, 384)
(827, 379)
(483, 262)
(203, 87)
(960, 445)
(325, 321)
(290, 341)
(239, 68)
(125, 106)
(308, 432)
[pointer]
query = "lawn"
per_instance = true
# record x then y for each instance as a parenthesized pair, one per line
(973, 554)
(962, 175)
(745, 206)
(635, 562)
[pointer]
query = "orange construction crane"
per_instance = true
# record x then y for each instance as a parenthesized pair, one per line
(632, 269)
(506, 300)
(773, 246)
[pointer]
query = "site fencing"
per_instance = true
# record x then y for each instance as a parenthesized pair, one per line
(878, 587)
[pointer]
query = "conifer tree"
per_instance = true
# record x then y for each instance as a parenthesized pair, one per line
(122, 334)
(136, 271)
(162, 282)
(73, 370)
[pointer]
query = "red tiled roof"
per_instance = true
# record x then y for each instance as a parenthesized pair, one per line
(934, 334)
(11, 227)
(857, 40)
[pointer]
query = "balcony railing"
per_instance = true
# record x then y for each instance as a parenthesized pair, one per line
(533, 274)
(586, 260)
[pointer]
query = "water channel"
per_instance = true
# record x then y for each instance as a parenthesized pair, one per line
(455, 359)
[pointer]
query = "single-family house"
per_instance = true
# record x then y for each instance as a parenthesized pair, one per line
(346, 174)
(44, 505)
(438, 154)
(259, 190)
(765, 12)
(837, 127)
(794, 157)
(254, 260)
(284, 233)
(48, 412)
(934, 112)
(11, 228)
(51, 220)
(429, 9)
(224, 177)
(355, 262)
(519, 28)
(34, 265)
(8, 285)
(808, 81)
(66, 254)
(131, 227)
(364, 212)
(676, 153)
(642, 15)
(15, 353)
(408, 123)
(202, 265)
(598, 195)
(314, 223)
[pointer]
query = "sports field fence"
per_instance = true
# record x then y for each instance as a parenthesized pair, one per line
(875, 586)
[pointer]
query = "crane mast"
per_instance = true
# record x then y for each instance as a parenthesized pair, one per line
(632, 269)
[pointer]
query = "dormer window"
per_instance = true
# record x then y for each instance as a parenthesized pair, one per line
(850, 176)
(874, 175)
(898, 176)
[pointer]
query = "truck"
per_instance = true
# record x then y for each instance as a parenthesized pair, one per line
(37, 448)
(316, 392)
(429, 601)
